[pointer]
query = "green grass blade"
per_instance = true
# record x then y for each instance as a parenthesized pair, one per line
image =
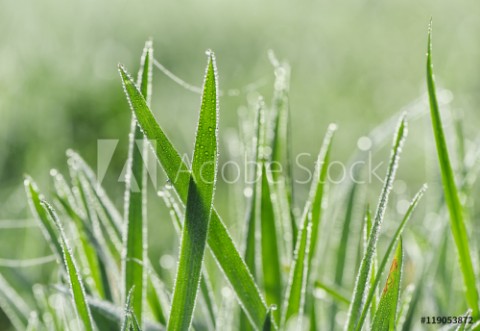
(318, 187)
(295, 294)
(254, 203)
(342, 249)
(253, 208)
(75, 279)
(361, 283)
(272, 274)
(219, 240)
(368, 231)
(452, 200)
(385, 316)
(114, 314)
(316, 197)
(106, 210)
(268, 325)
(205, 284)
(281, 142)
(48, 228)
(127, 312)
(134, 243)
(33, 322)
(13, 305)
(383, 264)
(333, 292)
(198, 206)
(405, 302)
(90, 249)
(156, 299)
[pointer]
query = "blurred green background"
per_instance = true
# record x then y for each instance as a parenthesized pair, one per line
(355, 63)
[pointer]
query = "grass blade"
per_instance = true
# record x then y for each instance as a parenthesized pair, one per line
(272, 274)
(281, 144)
(47, 227)
(90, 249)
(342, 248)
(383, 264)
(205, 285)
(198, 206)
(295, 295)
(318, 187)
(134, 243)
(13, 305)
(361, 283)
(452, 200)
(253, 208)
(75, 280)
(333, 292)
(105, 208)
(219, 240)
(404, 306)
(268, 325)
(155, 300)
(384, 318)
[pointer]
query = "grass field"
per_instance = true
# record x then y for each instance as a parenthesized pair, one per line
(275, 216)
(284, 270)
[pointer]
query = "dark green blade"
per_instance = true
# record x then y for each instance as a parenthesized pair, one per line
(383, 264)
(385, 316)
(452, 200)
(134, 243)
(219, 240)
(361, 283)
(198, 207)
(75, 279)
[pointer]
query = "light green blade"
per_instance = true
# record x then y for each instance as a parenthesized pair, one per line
(75, 279)
(281, 166)
(198, 206)
(254, 204)
(219, 240)
(383, 264)
(297, 283)
(301, 265)
(317, 188)
(361, 282)
(13, 305)
(452, 200)
(335, 293)
(272, 274)
(134, 243)
(384, 319)
(341, 259)
(90, 249)
(48, 228)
